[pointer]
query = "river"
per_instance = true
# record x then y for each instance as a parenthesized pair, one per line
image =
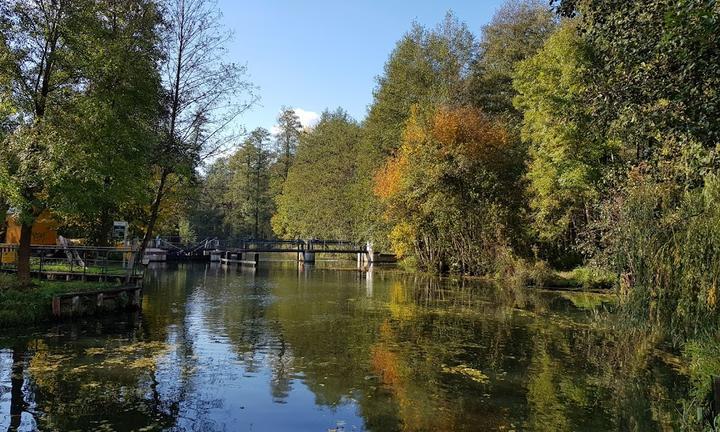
(322, 348)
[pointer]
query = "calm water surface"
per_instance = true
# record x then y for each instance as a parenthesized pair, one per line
(319, 349)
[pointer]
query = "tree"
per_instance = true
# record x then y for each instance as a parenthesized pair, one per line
(517, 31)
(449, 193)
(567, 164)
(287, 138)
(249, 192)
(655, 68)
(37, 51)
(66, 97)
(426, 66)
(316, 199)
(204, 96)
(210, 208)
(118, 114)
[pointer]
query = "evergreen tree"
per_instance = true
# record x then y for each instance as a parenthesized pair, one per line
(317, 199)
(249, 195)
(286, 139)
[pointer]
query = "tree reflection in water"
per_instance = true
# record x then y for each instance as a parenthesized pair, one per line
(277, 348)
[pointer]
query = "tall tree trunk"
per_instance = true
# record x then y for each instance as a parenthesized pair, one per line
(105, 226)
(154, 211)
(17, 400)
(24, 252)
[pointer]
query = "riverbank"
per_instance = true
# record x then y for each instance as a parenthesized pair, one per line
(537, 274)
(20, 307)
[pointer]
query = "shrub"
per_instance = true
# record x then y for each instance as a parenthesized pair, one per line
(664, 241)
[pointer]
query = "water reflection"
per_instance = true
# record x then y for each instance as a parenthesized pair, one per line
(282, 347)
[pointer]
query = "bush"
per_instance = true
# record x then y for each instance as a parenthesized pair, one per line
(8, 281)
(664, 241)
(591, 277)
(521, 273)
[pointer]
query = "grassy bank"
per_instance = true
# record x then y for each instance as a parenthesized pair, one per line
(34, 305)
(537, 274)
(540, 274)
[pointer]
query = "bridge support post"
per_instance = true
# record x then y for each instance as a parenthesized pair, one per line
(308, 257)
(367, 258)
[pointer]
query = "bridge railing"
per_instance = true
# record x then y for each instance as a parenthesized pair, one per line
(335, 245)
(270, 245)
(339, 246)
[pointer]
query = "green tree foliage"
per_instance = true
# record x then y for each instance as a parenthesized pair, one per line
(287, 138)
(656, 71)
(517, 31)
(653, 93)
(317, 199)
(38, 50)
(118, 115)
(426, 67)
(566, 163)
(66, 62)
(251, 203)
(211, 207)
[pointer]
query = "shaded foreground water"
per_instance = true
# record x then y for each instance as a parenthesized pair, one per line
(315, 349)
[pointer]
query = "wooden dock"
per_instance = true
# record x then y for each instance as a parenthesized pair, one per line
(94, 302)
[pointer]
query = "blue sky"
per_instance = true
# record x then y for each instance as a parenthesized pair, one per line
(314, 55)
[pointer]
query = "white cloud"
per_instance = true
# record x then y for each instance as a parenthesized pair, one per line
(308, 119)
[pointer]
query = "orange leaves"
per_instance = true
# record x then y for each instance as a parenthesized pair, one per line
(449, 156)
(470, 134)
(465, 134)
(388, 178)
(386, 365)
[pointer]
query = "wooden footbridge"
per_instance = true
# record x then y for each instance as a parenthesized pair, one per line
(248, 251)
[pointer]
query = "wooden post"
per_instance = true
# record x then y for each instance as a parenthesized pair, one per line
(257, 258)
(76, 305)
(56, 306)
